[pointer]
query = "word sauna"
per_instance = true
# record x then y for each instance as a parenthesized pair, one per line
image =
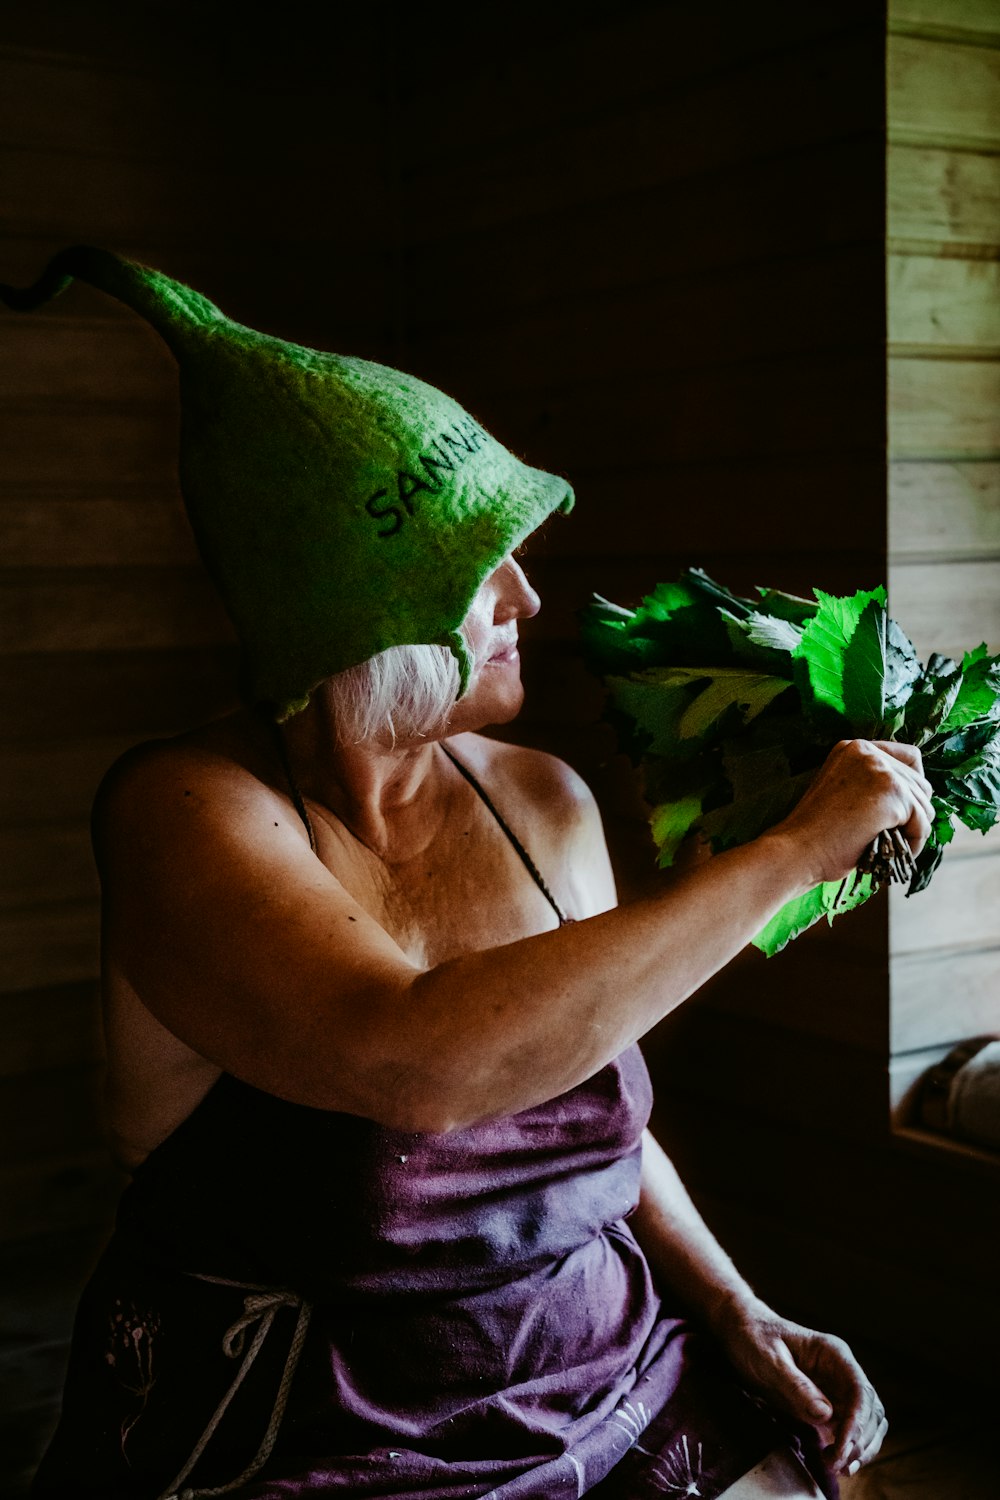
(444, 456)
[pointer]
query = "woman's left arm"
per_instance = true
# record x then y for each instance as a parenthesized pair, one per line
(811, 1376)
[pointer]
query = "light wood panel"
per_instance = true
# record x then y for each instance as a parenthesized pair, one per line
(944, 408)
(943, 93)
(948, 201)
(977, 18)
(938, 1000)
(947, 607)
(944, 510)
(961, 910)
(944, 305)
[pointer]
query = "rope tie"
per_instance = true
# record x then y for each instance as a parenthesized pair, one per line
(261, 1306)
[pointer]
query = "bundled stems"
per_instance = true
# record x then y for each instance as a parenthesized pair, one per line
(887, 860)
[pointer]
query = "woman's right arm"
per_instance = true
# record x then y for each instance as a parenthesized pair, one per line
(243, 945)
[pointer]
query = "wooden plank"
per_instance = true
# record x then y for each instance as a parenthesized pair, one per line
(50, 862)
(962, 910)
(943, 93)
(70, 1193)
(47, 442)
(50, 945)
(101, 199)
(947, 607)
(93, 694)
(976, 18)
(944, 408)
(830, 92)
(87, 107)
(742, 512)
(949, 511)
(55, 781)
(135, 528)
(944, 304)
(792, 408)
(940, 1000)
(50, 1114)
(828, 302)
(81, 358)
(56, 1027)
(107, 609)
(633, 238)
(949, 200)
(601, 63)
(770, 1073)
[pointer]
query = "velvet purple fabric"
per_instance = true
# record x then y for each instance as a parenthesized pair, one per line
(483, 1322)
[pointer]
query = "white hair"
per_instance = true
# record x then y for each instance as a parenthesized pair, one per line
(405, 693)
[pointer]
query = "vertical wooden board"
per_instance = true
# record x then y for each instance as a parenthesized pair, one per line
(961, 910)
(947, 607)
(943, 303)
(940, 1000)
(947, 408)
(948, 198)
(944, 93)
(947, 510)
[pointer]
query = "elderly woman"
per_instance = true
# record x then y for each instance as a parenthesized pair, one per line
(396, 1225)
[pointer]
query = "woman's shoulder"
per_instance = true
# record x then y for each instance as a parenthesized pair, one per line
(218, 763)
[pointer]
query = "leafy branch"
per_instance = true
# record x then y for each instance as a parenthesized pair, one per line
(729, 706)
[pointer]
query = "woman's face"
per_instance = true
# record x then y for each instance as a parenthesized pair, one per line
(495, 693)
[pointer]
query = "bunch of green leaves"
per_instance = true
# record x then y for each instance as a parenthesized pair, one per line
(729, 705)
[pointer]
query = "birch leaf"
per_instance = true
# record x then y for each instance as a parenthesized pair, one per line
(864, 672)
(825, 639)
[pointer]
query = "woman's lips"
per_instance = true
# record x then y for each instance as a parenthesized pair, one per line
(504, 656)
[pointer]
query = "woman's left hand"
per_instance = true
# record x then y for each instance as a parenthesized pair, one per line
(811, 1376)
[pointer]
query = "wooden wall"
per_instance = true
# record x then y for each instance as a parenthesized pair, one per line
(251, 164)
(944, 446)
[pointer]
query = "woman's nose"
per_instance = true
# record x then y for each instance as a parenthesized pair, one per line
(516, 599)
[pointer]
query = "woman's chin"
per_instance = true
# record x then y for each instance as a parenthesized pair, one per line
(494, 697)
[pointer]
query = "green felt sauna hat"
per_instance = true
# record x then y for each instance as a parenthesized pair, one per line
(341, 507)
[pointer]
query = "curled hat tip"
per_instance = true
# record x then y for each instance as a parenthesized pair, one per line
(58, 274)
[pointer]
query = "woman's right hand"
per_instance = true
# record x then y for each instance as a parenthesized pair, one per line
(863, 787)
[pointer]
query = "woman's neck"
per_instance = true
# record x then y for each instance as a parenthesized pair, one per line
(392, 799)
